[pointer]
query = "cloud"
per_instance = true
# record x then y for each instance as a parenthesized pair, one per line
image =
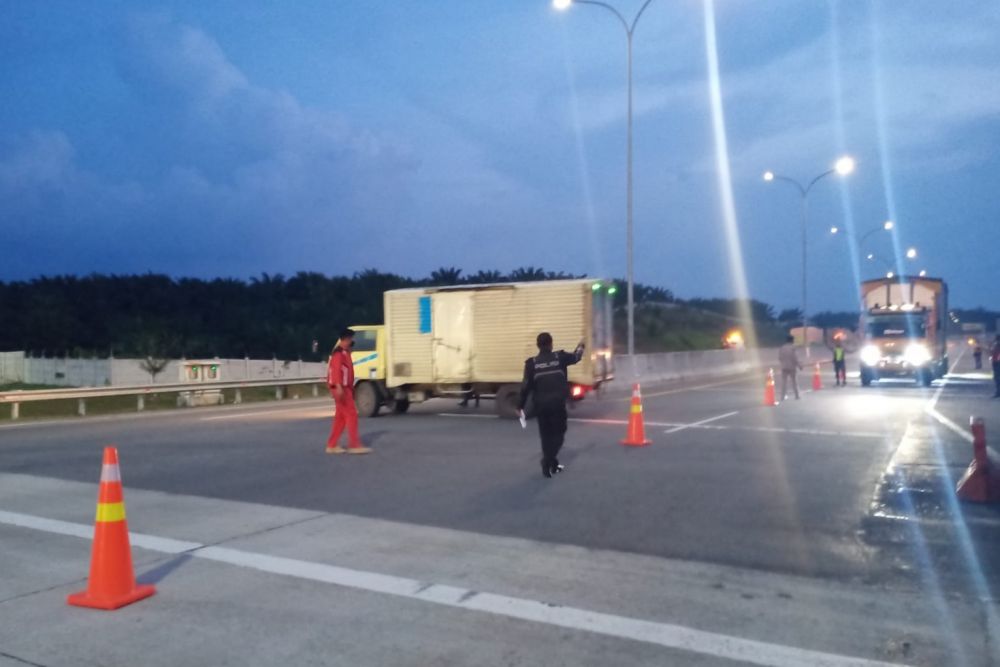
(244, 172)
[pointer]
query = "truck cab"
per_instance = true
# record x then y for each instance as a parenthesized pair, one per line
(904, 327)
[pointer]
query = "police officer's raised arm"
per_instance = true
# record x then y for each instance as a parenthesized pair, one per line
(568, 359)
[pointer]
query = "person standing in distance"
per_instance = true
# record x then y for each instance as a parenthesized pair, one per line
(546, 379)
(839, 363)
(340, 380)
(790, 367)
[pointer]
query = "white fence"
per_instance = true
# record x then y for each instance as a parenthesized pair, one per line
(68, 372)
(11, 367)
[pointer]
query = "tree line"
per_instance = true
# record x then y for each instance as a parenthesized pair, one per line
(155, 315)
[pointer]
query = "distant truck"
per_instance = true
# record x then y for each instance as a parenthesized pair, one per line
(456, 341)
(904, 327)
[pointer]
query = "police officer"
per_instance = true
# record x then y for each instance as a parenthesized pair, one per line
(546, 379)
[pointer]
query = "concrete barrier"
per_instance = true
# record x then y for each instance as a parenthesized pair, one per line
(692, 364)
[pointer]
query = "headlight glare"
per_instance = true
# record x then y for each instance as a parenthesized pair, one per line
(870, 355)
(917, 355)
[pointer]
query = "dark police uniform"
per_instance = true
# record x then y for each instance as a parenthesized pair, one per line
(546, 379)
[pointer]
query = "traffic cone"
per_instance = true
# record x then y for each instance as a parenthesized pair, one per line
(981, 481)
(636, 434)
(112, 579)
(817, 380)
(769, 389)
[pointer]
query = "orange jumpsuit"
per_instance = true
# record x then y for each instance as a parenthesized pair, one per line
(340, 372)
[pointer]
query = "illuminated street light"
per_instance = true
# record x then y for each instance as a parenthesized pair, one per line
(834, 230)
(923, 272)
(889, 224)
(911, 253)
(890, 274)
(843, 166)
(629, 31)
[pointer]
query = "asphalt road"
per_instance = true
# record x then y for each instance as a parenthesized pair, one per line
(847, 491)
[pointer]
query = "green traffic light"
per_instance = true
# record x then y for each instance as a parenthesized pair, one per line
(612, 290)
(595, 286)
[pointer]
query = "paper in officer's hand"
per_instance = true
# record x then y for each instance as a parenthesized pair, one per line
(520, 418)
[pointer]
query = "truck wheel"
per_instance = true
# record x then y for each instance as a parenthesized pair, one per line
(400, 405)
(366, 399)
(926, 377)
(507, 399)
(866, 378)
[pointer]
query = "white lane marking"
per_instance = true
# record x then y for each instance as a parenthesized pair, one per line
(668, 635)
(738, 427)
(702, 422)
(315, 412)
(579, 420)
(797, 431)
(965, 434)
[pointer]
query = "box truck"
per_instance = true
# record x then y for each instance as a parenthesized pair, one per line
(455, 341)
(904, 326)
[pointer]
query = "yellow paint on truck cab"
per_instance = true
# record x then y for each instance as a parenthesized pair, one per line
(368, 354)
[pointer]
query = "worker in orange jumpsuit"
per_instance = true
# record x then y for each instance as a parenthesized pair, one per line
(340, 380)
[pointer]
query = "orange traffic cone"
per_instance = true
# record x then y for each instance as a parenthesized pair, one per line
(112, 580)
(817, 380)
(981, 481)
(769, 389)
(636, 434)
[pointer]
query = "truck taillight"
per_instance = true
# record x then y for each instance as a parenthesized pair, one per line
(578, 391)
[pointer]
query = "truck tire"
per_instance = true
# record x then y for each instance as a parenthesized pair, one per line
(400, 405)
(926, 377)
(367, 400)
(866, 378)
(506, 400)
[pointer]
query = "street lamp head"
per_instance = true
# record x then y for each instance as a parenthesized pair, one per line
(768, 175)
(834, 230)
(871, 255)
(911, 253)
(562, 4)
(845, 165)
(890, 274)
(889, 224)
(923, 272)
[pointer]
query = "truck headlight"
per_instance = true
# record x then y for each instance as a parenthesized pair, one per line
(870, 355)
(917, 355)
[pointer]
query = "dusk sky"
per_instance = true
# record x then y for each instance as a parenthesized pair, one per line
(232, 138)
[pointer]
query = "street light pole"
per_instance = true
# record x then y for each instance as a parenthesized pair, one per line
(629, 32)
(844, 166)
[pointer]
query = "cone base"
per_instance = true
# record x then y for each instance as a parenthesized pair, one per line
(978, 485)
(643, 443)
(84, 599)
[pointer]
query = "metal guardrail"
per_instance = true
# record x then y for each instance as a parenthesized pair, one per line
(81, 394)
